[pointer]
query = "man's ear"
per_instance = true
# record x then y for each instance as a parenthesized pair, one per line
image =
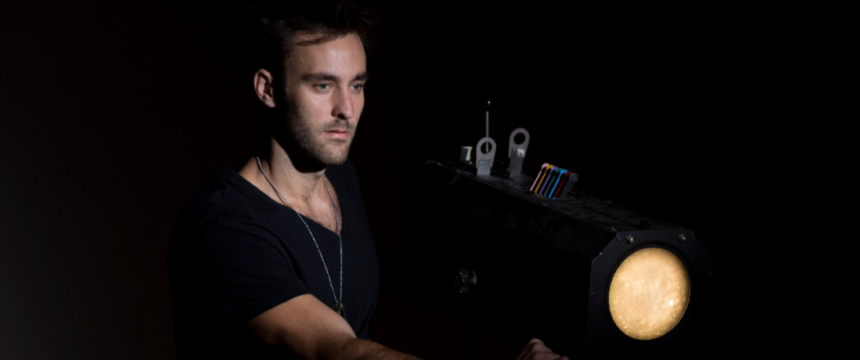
(263, 86)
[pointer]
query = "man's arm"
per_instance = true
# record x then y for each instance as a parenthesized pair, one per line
(312, 330)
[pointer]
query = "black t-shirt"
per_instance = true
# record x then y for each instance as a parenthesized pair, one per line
(236, 253)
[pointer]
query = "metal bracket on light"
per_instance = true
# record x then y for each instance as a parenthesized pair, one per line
(517, 152)
(485, 160)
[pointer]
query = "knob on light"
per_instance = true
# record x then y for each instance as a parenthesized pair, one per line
(465, 280)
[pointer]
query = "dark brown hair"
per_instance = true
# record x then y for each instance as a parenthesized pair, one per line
(279, 23)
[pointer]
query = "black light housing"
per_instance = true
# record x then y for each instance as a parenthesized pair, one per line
(536, 267)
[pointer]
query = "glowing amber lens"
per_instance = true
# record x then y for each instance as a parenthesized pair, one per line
(649, 293)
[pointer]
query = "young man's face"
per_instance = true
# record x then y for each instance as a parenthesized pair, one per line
(325, 92)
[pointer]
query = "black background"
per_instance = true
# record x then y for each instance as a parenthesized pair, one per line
(113, 113)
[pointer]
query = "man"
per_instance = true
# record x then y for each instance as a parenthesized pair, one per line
(276, 260)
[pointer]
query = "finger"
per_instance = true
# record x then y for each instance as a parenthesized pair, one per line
(535, 340)
(543, 356)
(538, 345)
(537, 348)
(538, 352)
(529, 349)
(540, 348)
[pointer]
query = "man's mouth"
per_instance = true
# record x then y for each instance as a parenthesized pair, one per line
(340, 134)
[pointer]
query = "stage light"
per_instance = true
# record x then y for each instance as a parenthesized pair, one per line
(576, 273)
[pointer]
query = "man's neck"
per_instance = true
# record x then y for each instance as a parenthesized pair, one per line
(297, 185)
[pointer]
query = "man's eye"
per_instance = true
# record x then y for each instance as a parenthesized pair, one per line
(323, 86)
(358, 86)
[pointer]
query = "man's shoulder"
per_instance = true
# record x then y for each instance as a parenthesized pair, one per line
(207, 202)
(224, 201)
(210, 195)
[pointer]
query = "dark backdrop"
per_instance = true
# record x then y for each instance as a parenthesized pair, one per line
(113, 113)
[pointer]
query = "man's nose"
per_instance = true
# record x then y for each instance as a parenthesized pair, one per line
(343, 107)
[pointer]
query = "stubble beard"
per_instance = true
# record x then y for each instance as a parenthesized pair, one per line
(311, 144)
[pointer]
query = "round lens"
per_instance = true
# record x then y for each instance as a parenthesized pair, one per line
(649, 293)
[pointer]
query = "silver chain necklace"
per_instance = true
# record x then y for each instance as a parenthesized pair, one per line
(338, 305)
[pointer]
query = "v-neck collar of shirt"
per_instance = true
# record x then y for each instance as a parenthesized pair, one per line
(336, 188)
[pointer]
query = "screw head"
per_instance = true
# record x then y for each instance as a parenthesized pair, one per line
(629, 239)
(682, 238)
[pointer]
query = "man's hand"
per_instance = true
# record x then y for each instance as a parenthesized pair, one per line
(536, 350)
